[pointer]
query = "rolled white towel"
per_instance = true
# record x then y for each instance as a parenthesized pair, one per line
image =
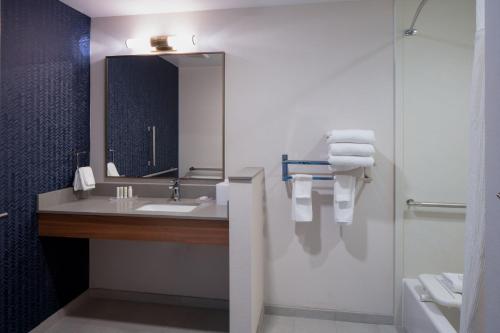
(351, 149)
(346, 163)
(351, 136)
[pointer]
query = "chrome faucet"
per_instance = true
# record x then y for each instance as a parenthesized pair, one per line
(175, 190)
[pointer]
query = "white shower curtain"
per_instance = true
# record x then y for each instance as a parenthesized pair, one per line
(470, 314)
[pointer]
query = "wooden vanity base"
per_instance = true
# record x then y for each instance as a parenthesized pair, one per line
(215, 232)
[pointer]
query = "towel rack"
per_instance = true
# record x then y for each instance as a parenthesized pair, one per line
(285, 162)
(77, 154)
(413, 203)
(112, 153)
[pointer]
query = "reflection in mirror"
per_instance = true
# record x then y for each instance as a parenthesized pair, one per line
(165, 116)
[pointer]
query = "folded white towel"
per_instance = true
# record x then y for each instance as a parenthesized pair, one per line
(346, 163)
(84, 179)
(112, 171)
(344, 191)
(351, 136)
(351, 149)
(301, 198)
(454, 281)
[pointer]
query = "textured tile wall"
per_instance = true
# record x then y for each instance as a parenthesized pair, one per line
(44, 117)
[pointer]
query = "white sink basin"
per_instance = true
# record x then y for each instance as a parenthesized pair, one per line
(170, 208)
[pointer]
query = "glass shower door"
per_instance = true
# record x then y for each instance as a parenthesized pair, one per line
(436, 76)
(433, 87)
(434, 73)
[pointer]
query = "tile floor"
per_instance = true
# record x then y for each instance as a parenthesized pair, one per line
(112, 316)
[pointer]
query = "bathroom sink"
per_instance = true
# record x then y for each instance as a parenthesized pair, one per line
(168, 208)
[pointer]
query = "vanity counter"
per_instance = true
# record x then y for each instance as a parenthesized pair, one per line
(106, 206)
(103, 217)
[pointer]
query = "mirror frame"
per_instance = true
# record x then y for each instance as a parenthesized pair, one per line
(162, 180)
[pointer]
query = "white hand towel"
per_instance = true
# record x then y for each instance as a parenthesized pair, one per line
(346, 163)
(454, 281)
(301, 198)
(77, 185)
(302, 185)
(344, 193)
(112, 170)
(351, 136)
(351, 149)
(84, 179)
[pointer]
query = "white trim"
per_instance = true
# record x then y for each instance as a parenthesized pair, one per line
(326, 314)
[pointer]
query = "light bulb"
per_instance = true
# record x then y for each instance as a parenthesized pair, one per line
(138, 44)
(182, 42)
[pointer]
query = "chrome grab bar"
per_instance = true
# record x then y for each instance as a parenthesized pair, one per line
(154, 145)
(204, 169)
(152, 140)
(413, 203)
(160, 173)
(4, 215)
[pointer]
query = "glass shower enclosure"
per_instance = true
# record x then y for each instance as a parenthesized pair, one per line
(434, 56)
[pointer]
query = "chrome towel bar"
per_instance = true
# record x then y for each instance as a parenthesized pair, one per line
(204, 169)
(160, 173)
(3, 215)
(413, 203)
(77, 154)
(286, 176)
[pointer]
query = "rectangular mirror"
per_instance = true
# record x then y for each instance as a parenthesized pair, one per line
(165, 116)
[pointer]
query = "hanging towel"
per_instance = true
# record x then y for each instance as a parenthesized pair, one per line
(302, 198)
(454, 281)
(344, 191)
(84, 179)
(351, 136)
(351, 149)
(112, 170)
(346, 163)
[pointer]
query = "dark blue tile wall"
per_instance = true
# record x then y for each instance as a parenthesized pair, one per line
(44, 117)
(142, 91)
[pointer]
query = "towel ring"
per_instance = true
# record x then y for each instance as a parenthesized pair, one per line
(112, 153)
(77, 154)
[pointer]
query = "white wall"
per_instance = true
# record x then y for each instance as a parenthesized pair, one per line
(292, 73)
(436, 74)
(200, 117)
(162, 268)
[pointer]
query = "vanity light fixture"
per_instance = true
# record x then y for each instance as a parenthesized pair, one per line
(162, 43)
